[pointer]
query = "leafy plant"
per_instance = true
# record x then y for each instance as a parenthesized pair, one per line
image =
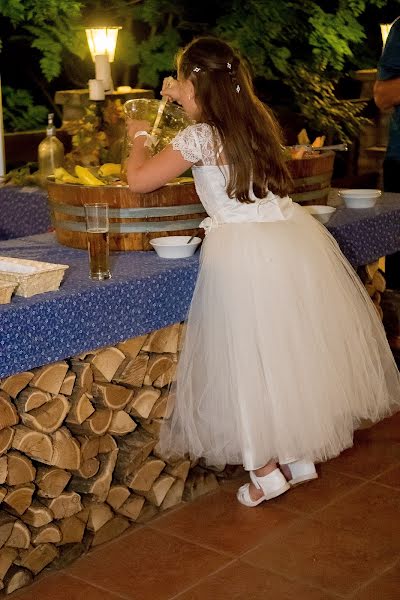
(25, 175)
(47, 24)
(89, 141)
(20, 112)
(307, 47)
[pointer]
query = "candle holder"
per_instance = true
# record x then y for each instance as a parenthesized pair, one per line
(102, 42)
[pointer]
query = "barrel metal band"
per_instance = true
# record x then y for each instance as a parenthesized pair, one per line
(140, 227)
(324, 178)
(313, 195)
(135, 213)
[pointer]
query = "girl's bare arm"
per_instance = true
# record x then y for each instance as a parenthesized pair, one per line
(146, 173)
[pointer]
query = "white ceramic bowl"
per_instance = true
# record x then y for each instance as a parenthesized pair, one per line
(360, 198)
(321, 212)
(175, 246)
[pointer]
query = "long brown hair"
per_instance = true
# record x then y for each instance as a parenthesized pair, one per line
(250, 135)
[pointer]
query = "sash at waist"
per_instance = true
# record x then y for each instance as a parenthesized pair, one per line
(279, 209)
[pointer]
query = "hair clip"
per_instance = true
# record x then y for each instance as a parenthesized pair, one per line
(237, 88)
(196, 69)
(228, 64)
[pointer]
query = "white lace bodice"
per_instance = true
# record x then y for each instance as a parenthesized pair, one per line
(199, 145)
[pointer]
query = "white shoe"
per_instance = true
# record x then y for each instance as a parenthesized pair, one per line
(301, 471)
(274, 484)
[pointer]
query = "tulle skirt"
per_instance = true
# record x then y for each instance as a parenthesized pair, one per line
(284, 352)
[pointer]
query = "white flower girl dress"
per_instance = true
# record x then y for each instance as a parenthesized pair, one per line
(284, 353)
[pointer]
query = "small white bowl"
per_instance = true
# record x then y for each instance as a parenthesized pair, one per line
(175, 246)
(321, 212)
(360, 198)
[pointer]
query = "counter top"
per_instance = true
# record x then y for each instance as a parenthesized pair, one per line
(364, 235)
(145, 293)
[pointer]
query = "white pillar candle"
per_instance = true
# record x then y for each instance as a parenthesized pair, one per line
(96, 89)
(2, 153)
(103, 71)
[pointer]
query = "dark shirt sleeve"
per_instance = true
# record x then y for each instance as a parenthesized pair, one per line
(389, 63)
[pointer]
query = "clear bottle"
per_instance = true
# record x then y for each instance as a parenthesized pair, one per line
(50, 152)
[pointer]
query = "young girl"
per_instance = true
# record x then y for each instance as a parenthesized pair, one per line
(284, 353)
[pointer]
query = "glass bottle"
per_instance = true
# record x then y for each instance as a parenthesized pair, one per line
(50, 152)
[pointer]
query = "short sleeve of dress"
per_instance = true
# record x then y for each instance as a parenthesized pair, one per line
(188, 144)
(197, 142)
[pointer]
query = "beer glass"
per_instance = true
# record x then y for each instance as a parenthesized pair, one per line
(97, 231)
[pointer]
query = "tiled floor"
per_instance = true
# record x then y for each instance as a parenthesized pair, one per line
(336, 537)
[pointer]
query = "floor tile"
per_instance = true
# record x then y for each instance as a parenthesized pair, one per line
(391, 477)
(336, 560)
(387, 429)
(148, 565)
(372, 511)
(220, 522)
(315, 494)
(63, 587)
(368, 458)
(233, 484)
(334, 537)
(240, 581)
(385, 587)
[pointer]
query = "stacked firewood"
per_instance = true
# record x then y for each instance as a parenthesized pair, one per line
(375, 283)
(78, 453)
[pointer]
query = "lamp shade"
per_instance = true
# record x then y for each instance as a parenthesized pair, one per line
(102, 40)
(385, 28)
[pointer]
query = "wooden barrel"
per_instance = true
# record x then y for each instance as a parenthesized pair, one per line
(135, 219)
(312, 177)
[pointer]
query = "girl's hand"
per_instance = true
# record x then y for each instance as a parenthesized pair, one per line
(134, 125)
(171, 89)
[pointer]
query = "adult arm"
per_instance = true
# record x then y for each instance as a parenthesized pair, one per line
(387, 86)
(387, 93)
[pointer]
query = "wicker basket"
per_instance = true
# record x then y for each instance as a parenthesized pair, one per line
(6, 291)
(30, 276)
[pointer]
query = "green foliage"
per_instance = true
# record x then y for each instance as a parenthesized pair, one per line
(25, 175)
(19, 111)
(156, 55)
(128, 53)
(89, 142)
(307, 45)
(156, 52)
(321, 110)
(38, 11)
(47, 24)
(260, 30)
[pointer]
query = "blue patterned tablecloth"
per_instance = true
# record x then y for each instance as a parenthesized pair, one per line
(145, 292)
(365, 235)
(23, 212)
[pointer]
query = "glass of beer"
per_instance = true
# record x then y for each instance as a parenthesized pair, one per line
(97, 231)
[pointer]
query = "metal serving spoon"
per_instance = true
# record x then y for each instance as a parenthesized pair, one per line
(342, 147)
(193, 236)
